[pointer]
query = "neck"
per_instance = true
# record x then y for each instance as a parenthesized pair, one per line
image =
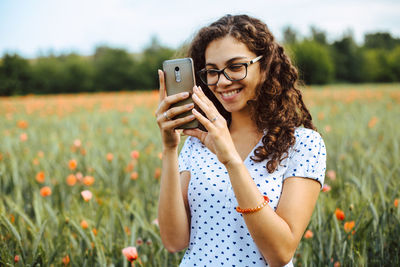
(241, 121)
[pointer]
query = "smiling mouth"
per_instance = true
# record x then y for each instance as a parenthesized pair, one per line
(230, 93)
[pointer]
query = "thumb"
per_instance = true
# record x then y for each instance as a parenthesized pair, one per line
(199, 134)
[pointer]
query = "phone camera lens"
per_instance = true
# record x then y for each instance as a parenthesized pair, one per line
(176, 68)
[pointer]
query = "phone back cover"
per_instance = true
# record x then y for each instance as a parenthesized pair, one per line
(185, 85)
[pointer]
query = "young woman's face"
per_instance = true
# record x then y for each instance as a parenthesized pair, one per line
(233, 95)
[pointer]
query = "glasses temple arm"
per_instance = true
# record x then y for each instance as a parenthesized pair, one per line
(256, 59)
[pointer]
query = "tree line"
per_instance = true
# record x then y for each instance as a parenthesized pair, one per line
(115, 69)
(377, 60)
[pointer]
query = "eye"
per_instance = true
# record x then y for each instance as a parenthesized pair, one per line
(212, 72)
(235, 67)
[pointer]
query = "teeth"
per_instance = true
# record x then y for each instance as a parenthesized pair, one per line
(230, 93)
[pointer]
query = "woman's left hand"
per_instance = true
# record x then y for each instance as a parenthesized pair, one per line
(218, 138)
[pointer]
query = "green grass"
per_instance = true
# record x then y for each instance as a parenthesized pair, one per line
(359, 125)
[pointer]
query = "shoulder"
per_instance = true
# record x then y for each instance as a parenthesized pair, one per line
(309, 143)
(306, 136)
(307, 157)
(301, 132)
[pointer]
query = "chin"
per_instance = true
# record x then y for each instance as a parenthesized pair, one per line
(234, 108)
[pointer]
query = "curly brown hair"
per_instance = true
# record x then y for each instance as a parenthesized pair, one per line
(278, 107)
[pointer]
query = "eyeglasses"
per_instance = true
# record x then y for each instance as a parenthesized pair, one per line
(233, 72)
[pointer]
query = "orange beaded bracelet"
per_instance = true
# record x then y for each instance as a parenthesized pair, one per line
(251, 210)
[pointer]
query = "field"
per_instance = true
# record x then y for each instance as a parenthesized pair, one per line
(53, 148)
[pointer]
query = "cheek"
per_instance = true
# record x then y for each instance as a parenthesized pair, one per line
(251, 85)
(254, 81)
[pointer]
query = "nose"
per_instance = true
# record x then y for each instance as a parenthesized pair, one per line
(223, 81)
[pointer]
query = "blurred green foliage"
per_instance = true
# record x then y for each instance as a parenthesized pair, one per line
(15, 75)
(313, 61)
(114, 69)
(109, 69)
(348, 59)
(343, 60)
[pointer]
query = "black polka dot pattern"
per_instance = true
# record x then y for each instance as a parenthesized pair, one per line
(219, 235)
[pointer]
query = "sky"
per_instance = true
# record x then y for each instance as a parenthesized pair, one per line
(34, 27)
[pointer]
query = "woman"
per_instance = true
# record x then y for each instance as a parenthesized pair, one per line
(241, 193)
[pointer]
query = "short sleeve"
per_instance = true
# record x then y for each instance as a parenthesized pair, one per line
(307, 159)
(185, 155)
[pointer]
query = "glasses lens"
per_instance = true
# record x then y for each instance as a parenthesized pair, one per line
(236, 72)
(212, 76)
(233, 72)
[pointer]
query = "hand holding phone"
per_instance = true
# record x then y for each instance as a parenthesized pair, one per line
(179, 77)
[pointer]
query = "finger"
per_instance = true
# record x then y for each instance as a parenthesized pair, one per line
(199, 134)
(161, 118)
(161, 78)
(202, 96)
(179, 110)
(169, 100)
(208, 110)
(170, 125)
(171, 113)
(203, 120)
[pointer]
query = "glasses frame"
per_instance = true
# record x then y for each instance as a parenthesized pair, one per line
(200, 72)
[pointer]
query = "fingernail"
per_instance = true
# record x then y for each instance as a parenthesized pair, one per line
(190, 105)
(185, 94)
(194, 111)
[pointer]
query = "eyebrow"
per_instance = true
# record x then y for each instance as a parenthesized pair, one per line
(227, 62)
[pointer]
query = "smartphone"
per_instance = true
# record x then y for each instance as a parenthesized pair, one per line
(179, 77)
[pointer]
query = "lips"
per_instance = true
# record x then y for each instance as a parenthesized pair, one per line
(229, 94)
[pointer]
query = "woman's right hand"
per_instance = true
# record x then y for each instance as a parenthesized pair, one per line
(164, 114)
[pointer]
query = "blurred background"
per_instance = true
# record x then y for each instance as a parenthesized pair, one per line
(87, 46)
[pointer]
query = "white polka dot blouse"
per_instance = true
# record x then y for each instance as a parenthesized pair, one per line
(218, 234)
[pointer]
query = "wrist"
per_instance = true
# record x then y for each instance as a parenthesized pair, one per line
(169, 150)
(234, 162)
